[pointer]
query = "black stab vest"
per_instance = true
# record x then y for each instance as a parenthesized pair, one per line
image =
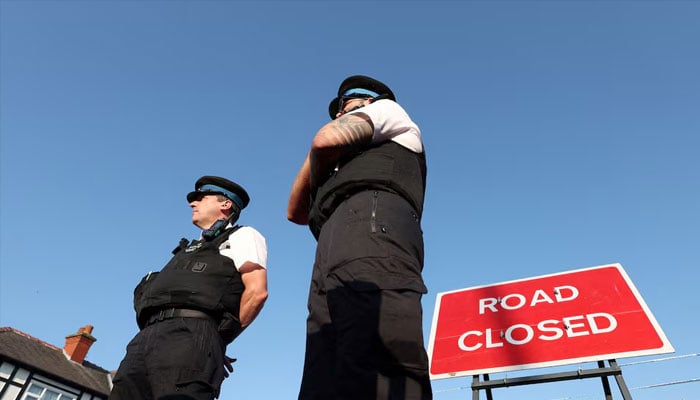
(197, 277)
(387, 166)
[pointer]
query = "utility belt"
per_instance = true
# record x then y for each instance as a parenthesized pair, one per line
(169, 313)
(228, 325)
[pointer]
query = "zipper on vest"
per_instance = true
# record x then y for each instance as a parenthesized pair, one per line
(373, 219)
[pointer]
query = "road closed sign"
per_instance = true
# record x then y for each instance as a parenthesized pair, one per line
(576, 316)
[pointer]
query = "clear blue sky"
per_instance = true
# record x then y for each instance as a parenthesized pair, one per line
(559, 135)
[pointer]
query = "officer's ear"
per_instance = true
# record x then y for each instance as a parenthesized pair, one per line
(226, 204)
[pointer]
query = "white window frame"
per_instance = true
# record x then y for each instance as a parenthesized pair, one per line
(44, 387)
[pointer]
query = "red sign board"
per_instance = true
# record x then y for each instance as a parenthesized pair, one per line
(576, 316)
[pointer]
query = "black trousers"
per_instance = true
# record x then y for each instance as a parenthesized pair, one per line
(364, 329)
(175, 359)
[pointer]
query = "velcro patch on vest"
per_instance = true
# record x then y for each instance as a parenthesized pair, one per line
(199, 266)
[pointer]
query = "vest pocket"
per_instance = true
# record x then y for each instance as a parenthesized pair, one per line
(380, 273)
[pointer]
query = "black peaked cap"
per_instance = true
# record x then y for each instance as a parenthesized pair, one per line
(362, 82)
(222, 183)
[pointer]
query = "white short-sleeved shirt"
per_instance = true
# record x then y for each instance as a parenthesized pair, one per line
(245, 245)
(391, 122)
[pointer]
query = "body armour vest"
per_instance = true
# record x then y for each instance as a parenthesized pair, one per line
(197, 277)
(387, 166)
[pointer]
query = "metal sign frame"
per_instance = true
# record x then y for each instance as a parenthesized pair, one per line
(602, 371)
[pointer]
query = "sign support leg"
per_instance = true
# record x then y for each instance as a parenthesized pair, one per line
(475, 391)
(620, 381)
(606, 384)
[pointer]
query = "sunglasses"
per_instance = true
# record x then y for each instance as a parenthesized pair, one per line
(346, 99)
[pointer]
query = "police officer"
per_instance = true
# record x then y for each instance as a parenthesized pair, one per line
(209, 292)
(361, 192)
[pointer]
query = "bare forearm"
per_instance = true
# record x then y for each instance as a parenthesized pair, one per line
(252, 301)
(298, 204)
(334, 140)
(253, 298)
